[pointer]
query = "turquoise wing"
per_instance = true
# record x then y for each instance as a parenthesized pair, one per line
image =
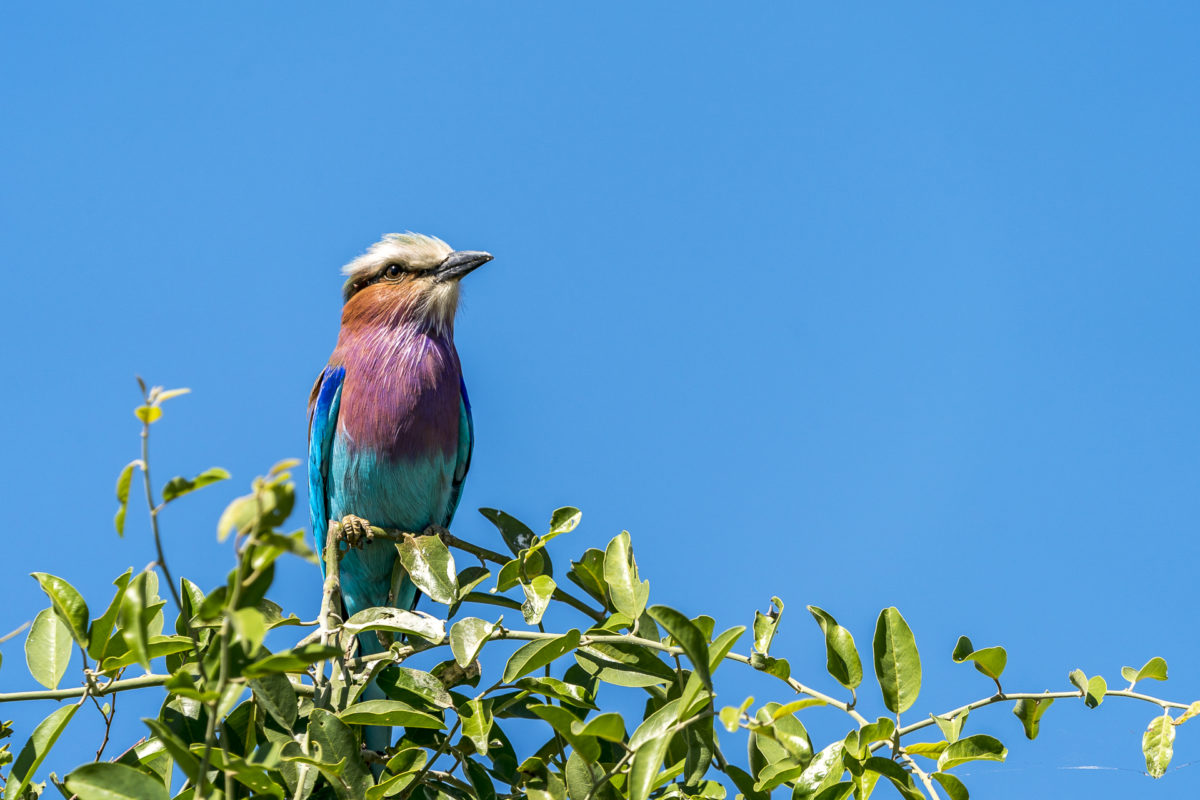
(323, 406)
(466, 443)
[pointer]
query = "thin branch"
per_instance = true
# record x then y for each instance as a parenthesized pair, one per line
(924, 776)
(1001, 698)
(11, 634)
(108, 721)
(112, 687)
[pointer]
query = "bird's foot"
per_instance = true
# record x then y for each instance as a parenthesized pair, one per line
(356, 531)
(436, 530)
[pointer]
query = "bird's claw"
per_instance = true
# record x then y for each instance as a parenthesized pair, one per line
(356, 531)
(436, 530)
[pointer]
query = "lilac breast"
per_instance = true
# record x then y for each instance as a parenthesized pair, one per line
(401, 397)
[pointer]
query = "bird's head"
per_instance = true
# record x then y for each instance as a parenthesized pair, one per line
(410, 276)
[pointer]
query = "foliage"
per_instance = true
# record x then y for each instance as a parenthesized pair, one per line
(240, 721)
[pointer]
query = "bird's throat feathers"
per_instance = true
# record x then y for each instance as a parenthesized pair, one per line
(403, 310)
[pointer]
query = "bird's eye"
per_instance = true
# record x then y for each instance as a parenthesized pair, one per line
(394, 271)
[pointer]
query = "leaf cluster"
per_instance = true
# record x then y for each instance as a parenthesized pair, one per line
(471, 718)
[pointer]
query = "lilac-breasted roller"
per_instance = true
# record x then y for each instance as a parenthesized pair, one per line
(390, 429)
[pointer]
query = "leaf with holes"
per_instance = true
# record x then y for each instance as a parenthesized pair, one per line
(1158, 745)
(430, 566)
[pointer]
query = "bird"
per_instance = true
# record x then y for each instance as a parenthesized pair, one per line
(389, 422)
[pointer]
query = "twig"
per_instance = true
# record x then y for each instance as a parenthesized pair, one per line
(112, 687)
(108, 721)
(11, 634)
(1001, 698)
(925, 779)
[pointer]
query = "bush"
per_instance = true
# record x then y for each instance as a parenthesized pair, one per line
(537, 727)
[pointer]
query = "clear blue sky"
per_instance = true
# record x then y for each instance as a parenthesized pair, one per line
(856, 306)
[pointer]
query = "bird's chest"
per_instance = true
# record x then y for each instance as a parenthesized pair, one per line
(396, 445)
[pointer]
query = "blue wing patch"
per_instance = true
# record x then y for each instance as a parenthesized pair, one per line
(466, 443)
(322, 424)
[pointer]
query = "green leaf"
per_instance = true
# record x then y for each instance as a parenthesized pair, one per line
(841, 656)
(48, 648)
(160, 396)
(467, 638)
(102, 626)
(107, 781)
(896, 774)
(395, 620)
(517, 534)
(124, 480)
(295, 660)
(336, 741)
(67, 603)
(822, 772)
(897, 663)
(569, 693)
(36, 749)
(405, 683)
(988, 660)
(927, 749)
(537, 598)
(402, 766)
(786, 730)
(647, 760)
(250, 627)
(624, 665)
(251, 775)
(629, 593)
(693, 642)
(476, 716)
(567, 725)
(1030, 713)
(238, 516)
(430, 566)
(389, 712)
(276, 695)
(951, 728)
(588, 574)
(267, 508)
(179, 486)
(565, 519)
(539, 653)
(608, 726)
(469, 578)
(979, 747)
(765, 626)
(156, 647)
(137, 610)
(1158, 745)
(953, 786)
(838, 791)
(1154, 669)
(148, 414)
(481, 782)
(1093, 688)
(175, 747)
(1192, 710)
(582, 777)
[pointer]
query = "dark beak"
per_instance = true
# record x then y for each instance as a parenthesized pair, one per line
(459, 263)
